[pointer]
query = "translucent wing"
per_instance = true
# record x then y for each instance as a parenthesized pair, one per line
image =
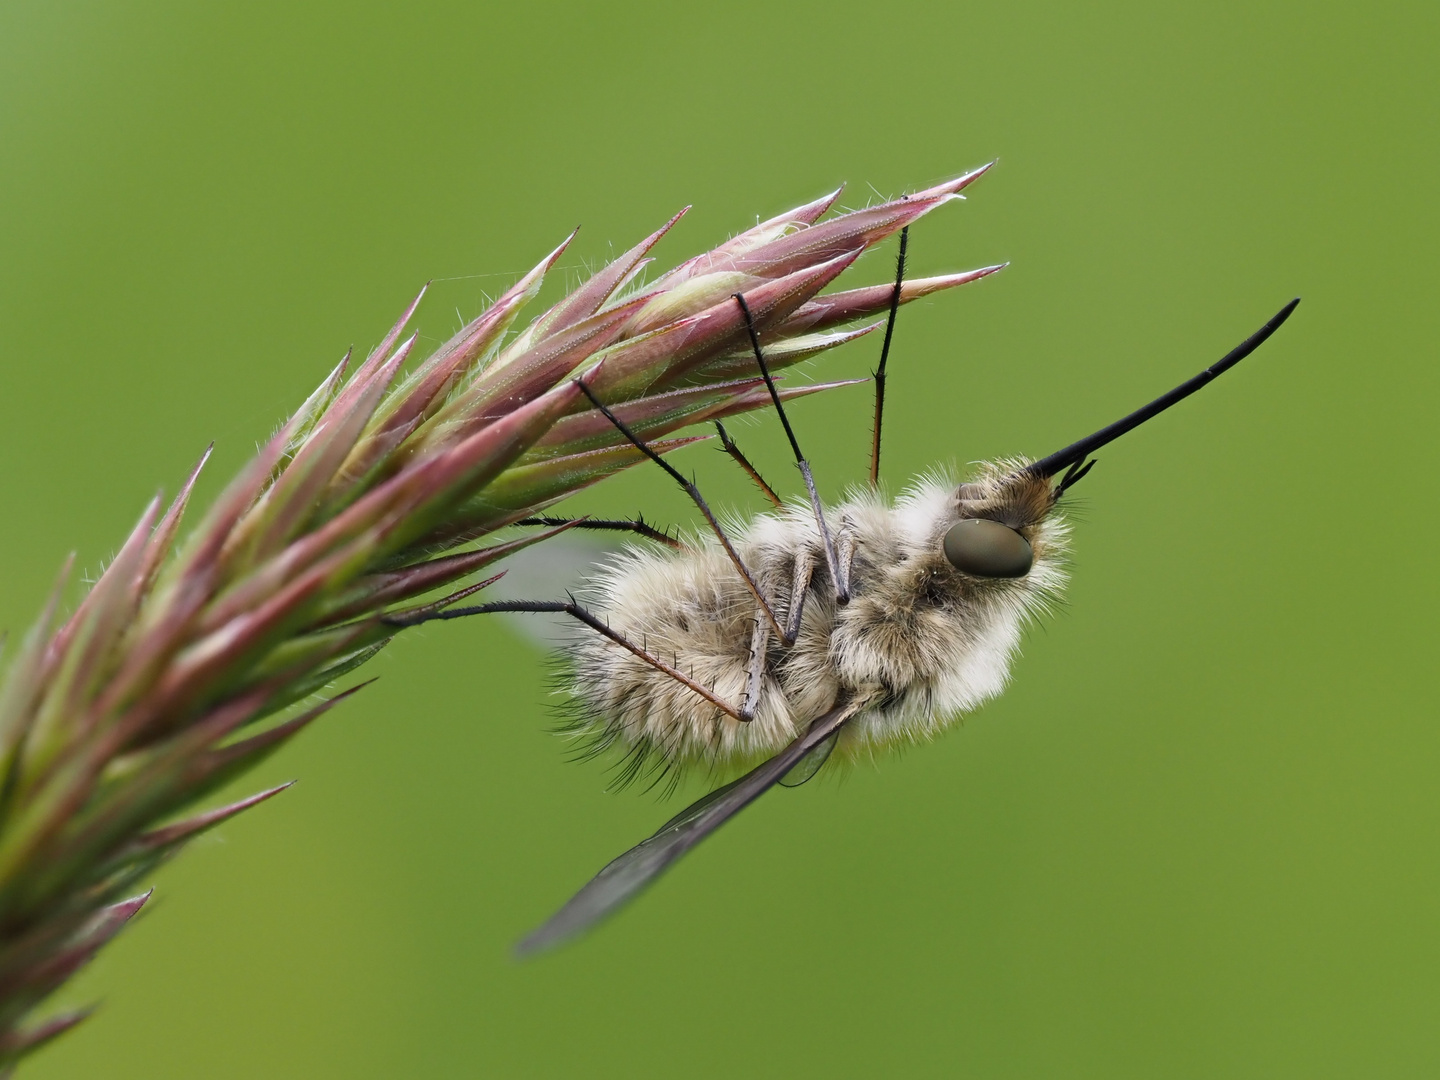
(550, 571)
(624, 878)
(806, 768)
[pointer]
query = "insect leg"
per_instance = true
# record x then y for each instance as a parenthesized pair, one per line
(799, 587)
(760, 637)
(727, 444)
(842, 587)
(845, 550)
(639, 526)
(884, 356)
(575, 611)
(759, 644)
(695, 497)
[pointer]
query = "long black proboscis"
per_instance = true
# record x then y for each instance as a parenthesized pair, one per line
(624, 878)
(1077, 451)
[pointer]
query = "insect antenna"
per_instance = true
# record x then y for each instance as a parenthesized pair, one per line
(879, 373)
(699, 501)
(728, 446)
(842, 587)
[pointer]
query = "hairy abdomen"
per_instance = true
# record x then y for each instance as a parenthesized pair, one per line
(694, 611)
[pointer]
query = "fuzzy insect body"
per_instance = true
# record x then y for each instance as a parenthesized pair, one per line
(889, 621)
(918, 644)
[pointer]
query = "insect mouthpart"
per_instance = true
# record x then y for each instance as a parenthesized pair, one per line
(1073, 456)
(990, 549)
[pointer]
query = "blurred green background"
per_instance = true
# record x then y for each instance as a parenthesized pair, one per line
(1200, 836)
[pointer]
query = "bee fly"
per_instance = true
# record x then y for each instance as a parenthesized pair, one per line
(814, 630)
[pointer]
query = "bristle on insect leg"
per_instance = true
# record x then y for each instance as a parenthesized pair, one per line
(727, 445)
(639, 526)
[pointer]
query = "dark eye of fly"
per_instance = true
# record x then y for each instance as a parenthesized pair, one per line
(986, 548)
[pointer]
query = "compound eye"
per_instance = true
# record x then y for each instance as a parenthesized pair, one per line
(986, 548)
